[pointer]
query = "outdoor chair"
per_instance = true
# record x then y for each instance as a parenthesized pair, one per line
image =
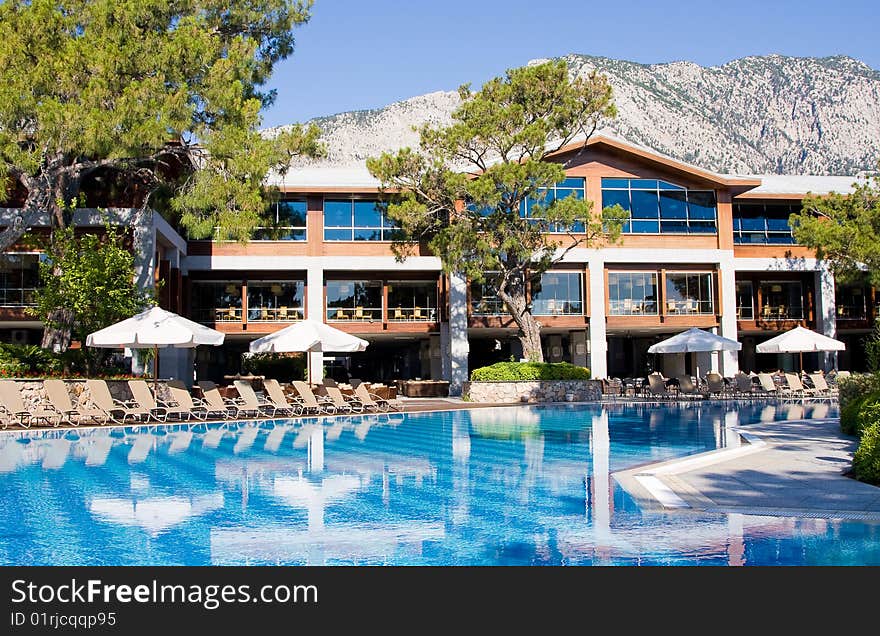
(144, 398)
(112, 408)
(347, 405)
(796, 386)
(611, 388)
(770, 387)
(184, 404)
(657, 385)
(716, 384)
(13, 403)
(309, 401)
(687, 387)
(59, 398)
(744, 387)
(249, 402)
(373, 401)
(821, 385)
(215, 402)
(275, 396)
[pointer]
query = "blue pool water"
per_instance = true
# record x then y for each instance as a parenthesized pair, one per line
(524, 485)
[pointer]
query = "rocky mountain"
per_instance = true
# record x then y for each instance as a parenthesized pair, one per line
(770, 114)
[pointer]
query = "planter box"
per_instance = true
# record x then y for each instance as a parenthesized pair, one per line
(424, 388)
(534, 391)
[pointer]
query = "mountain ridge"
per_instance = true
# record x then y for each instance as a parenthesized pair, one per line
(770, 114)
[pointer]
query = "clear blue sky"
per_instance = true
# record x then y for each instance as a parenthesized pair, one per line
(357, 54)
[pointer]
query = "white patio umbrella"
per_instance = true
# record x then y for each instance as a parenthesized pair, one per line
(799, 340)
(308, 336)
(695, 341)
(155, 328)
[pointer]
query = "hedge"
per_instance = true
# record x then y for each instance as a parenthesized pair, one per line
(529, 371)
(860, 416)
(866, 461)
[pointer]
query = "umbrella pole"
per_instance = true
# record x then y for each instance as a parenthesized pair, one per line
(155, 368)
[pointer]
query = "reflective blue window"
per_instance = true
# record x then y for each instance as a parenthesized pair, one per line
(570, 186)
(763, 223)
(357, 220)
(661, 207)
(287, 222)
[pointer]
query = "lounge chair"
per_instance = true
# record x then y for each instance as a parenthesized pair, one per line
(797, 387)
(769, 386)
(13, 403)
(112, 408)
(716, 384)
(59, 398)
(375, 402)
(185, 405)
(309, 401)
(144, 398)
(821, 385)
(350, 405)
(275, 396)
(216, 402)
(657, 386)
(249, 402)
(744, 387)
(687, 387)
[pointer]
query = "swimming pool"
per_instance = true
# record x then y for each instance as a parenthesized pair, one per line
(496, 486)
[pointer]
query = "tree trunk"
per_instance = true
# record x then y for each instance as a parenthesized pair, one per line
(515, 300)
(58, 330)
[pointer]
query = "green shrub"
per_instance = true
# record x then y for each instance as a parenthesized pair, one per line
(866, 462)
(868, 414)
(849, 415)
(857, 386)
(279, 366)
(526, 371)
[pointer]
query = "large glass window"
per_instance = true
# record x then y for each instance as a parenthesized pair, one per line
(288, 222)
(557, 293)
(412, 300)
(571, 186)
(216, 301)
(689, 293)
(275, 301)
(851, 302)
(632, 293)
(763, 223)
(354, 300)
(660, 207)
(19, 279)
(484, 302)
(781, 300)
(357, 220)
(745, 303)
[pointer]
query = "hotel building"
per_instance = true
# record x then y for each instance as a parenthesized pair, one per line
(701, 249)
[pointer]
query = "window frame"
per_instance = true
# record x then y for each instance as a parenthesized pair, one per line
(660, 187)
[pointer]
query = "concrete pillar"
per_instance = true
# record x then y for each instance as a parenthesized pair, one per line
(458, 333)
(445, 361)
(598, 337)
(315, 311)
(436, 361)
(144, 251)
(177, 364)
(578, 344)
(727, 274)
(826, 312)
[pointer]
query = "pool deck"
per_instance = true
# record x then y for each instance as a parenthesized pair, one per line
(785, 468)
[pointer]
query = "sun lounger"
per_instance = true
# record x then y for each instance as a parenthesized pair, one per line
(59, 398)
(687, 387)
(144, 398)
(796, 386)
(309, 401)
(183, 403)
(275, 395)
(821, 385)
(215, 402)
(111, 408)
(375, 402)
(657, 386)
(744, 387)
(346, 405)
(250, 403)
(716, 384)
(13, 403)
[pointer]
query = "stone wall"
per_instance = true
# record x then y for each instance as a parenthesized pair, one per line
(535, 391)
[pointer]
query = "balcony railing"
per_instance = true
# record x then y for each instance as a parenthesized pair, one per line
(690, 307)
(412, 314)
(782, 312)
(632, 307)
(851, 312)
(746, 312)
(557, 307)
(217, 314)
(275, 314)
(17, 297)
(488, 307)
(357, 314)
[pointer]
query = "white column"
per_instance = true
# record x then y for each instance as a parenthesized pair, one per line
(315, 311)
(826, 308)
(729, 359)
(600, 446)
(598, 335)
(458, 333)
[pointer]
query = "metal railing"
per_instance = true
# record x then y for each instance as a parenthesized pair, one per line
(632, 307)
(412, 314)
(357, 314)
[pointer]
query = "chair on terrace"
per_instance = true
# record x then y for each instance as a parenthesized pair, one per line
(249, 402)
(309, 401)
(144, 398)
(687, 387)
(59, 398)
(657, 385)
(716, 384)
(821, 385)
(112, 408)
(275, 395)
(12, 403)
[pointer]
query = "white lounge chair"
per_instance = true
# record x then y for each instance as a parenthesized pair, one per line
(13, 404)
